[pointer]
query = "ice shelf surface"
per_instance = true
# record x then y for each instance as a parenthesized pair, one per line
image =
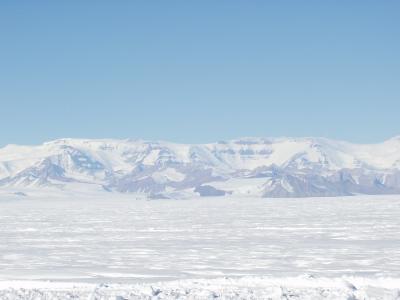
(201, 246)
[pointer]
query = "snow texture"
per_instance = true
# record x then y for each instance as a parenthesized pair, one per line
(302, 287)
(119, 247)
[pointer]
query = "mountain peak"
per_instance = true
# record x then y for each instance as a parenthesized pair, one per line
(246, 166)
(395, 138)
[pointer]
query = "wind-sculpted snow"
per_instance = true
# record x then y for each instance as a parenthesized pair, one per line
(230, 248)
(123, 239)
(249, 288)
(286, 167)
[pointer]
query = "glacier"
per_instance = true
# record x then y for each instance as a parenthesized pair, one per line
(253, 167)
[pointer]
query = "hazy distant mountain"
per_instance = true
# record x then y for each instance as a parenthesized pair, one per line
(282, 167)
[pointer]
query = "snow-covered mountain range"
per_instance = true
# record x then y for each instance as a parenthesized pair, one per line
(279, 167)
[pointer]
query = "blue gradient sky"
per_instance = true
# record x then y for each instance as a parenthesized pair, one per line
(199, 71)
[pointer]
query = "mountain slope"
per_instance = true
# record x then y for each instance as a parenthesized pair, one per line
(282, 167)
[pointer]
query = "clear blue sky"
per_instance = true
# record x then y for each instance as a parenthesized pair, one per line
(199, 71)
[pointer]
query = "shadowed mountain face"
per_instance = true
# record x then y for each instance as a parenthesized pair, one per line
(285, 167)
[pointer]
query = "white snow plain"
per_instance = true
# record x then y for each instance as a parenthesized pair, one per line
(230, 248)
